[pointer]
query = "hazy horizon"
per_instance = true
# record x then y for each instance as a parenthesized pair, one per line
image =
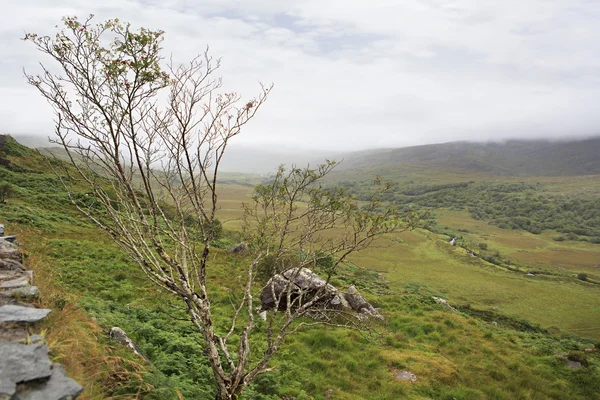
(353, 75)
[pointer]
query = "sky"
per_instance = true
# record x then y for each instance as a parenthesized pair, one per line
(353, 75)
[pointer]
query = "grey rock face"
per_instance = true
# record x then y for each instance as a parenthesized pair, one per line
(11, 265)
(13, 333)
(238, 248)
(406, 376)
(120, 336)
(15, 283)
(359, 303)
(300, 282)
(12, 313)
(58, 387)
(22, 363)
(35, 338)
(304, 285)
(10, 251)
(26, 372)
(23, 293)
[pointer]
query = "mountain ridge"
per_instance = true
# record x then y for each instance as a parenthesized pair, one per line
(513, 157)
(508, 158)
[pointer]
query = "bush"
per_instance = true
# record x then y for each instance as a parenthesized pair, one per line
(6, 191)
(483, 246)
(582, 277)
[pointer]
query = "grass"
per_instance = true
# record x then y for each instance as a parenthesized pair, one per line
(91, 286)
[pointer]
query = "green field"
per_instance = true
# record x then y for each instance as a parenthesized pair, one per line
(426, 259)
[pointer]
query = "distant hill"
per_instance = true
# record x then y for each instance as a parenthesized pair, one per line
(238, 158)
(510, 158)
(515, 157)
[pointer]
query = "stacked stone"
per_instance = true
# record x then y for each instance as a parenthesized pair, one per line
(26, 372)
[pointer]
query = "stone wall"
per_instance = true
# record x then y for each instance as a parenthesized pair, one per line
(26, 372)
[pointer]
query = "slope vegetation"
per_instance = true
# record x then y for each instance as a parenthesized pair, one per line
(515, 157)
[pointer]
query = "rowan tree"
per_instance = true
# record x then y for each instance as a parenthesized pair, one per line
(147, 139)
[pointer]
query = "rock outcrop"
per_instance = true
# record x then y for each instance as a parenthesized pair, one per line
(120, 336)
(26, 372)
(238, 248)
(303, 285)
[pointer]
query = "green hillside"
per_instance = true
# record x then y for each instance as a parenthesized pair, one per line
(506, 336)
(515, 157)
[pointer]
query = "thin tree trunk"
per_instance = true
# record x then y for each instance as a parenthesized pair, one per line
(226, 394)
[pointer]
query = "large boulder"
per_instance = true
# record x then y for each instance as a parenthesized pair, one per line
(238, 248)
(303, 285)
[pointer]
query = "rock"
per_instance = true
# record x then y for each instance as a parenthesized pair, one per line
(453, 241)
(8, 275)
(339, 300)
(443, 302)
(22, 363)
(1, 229)
(26, 372)
(572, 364)
(12, 239)
(15, 283)
(300, 281)
(28, 293)
(304, 285)
(238, 248)
(35, 339)
(406, 376)
(120, 336)
(494, 323)
(530, 274)
(10, 251)
(10, 332)
(12, 313)
(358, 303)
(11, 265)
(58, 387)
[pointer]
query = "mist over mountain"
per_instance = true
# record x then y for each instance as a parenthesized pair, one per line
(513, 157)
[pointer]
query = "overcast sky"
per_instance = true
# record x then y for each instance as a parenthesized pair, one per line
(358, 74)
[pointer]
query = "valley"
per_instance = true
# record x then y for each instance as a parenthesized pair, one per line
(518, 298)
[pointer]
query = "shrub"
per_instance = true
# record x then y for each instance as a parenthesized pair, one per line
(483, 246)
(582, 277)
(6, 191)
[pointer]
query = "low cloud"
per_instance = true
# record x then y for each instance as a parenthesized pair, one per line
(352, 75)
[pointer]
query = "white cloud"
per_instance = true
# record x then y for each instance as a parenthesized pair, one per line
(352, 74)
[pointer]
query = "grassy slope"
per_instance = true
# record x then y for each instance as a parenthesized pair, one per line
(527, 158)
(454, 354)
